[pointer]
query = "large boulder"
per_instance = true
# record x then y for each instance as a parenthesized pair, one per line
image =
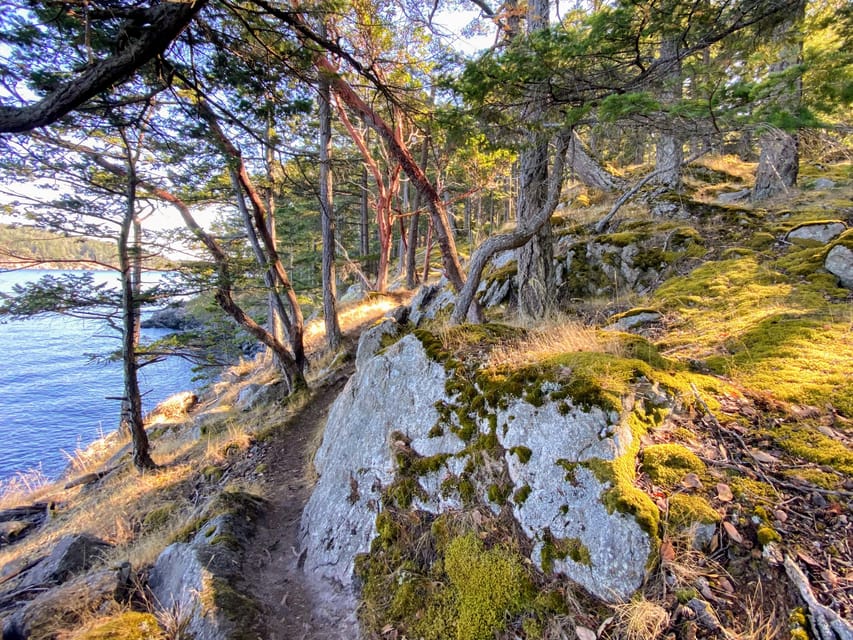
(73, 554)
(79, 599)
(430, 301)
(821, 232)
(371, 340)
(396, 414)
(196, 580)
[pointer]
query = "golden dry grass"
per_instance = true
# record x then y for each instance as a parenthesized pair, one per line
(640, 620)
(556, 336)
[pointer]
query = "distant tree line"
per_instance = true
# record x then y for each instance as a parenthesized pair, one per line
(37, 248)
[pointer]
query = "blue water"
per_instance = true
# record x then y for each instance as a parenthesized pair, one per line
(52, 399)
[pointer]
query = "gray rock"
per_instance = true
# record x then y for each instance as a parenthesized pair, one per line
(194, 581)
(819, 232)
(174, 317)
(634, 320)
(618, 548)
(371, 340)
(733, 196)
(394, 391)
(354, 293)
(73, 554)
(254, 395)
(429, 301)
(496, 293)
(839, 262)
(79, 599)
(397, 391)
(823, 183)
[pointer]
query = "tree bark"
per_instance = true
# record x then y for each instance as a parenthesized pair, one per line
(260, 215)
(327, 214)
(535, 273)
(779, 160)
(778, 165)
(129, 262)
(587, 170)
(396, 145)
(517, 238)
(387, 187)
(669, 152)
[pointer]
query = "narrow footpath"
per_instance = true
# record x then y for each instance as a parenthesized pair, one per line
(291, 607)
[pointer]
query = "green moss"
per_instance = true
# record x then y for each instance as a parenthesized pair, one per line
(686, 510)
(561, 548)
(667, 464)
(749, 489)
(489, 585)
(212, 473)
(761, 241)
(219, 596)
(159, 517)
(498, 493)
(767, 534)
(805, 441)
(522, 453)
(817, 477)
(130, 625)
(779, 327)
(499, 275)
(521, 494)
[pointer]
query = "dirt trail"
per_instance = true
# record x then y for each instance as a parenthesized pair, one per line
(291, 609)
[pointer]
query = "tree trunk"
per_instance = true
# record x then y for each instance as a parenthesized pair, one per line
(260, 215)
(669, 152)
(778, 165)
(587, 170)
(277, 321)
(327, 213)
(779, 160)
(535, 272)
(517, 238)
(129, 264)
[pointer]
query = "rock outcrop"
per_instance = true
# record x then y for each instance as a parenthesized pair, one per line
(195, 581)
(408, 429)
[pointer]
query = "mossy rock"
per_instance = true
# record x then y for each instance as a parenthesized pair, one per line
(668, 464)
(130, 625)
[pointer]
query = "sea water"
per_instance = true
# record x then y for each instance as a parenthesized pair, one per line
(53, 398)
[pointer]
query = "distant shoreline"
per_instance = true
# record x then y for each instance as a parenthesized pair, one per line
(52, 266)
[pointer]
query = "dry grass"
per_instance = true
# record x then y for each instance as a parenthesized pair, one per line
(352, 316)
(640, 620)
(556, 336)
(730, 165)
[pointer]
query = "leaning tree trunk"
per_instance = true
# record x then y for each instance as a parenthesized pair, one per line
(588, 170)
